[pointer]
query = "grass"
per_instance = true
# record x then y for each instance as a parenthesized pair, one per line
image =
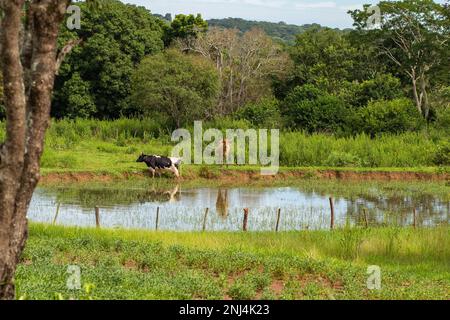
(113, 146)
(119, 264)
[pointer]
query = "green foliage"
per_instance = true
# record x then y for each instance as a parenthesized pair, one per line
(185, 27)
(394, 116)
(342, 159)
(324, 58)
(405, 150)
(308, 108)
(264, 113)
(442, 155)
(412, 41)
(98, 71)
(381, 87)
(112, 145)
(281, 30)
(184, 87)
(76, 96)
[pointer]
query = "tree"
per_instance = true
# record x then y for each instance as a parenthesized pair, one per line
(414, 35)
(185, 27)
(280, 31)
(28, 61)
(311, 109)
(323, 58)
(395, 116)
(114, 41)
(77, 98)
(246, 64)
(381, 87)
(184, 87)
(2, 107)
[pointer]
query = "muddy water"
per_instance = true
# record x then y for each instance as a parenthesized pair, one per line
(183, 209)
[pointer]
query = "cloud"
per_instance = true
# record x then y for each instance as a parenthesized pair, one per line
(351, 7)
(259, 3)
(317, 5)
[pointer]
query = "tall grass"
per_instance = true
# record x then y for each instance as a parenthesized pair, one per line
(405, 150)
(413, 149)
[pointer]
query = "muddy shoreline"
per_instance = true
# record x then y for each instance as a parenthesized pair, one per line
(243, 176)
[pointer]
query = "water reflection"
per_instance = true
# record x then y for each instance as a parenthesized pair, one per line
(183, 208)
(222, 203)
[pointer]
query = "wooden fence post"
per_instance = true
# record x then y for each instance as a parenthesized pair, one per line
(366, 218)
(332, 213)
(157, 219)
(97, 217)
(244, 226)
(56, 214)
(204, 219)
(414, 218)
(278, 219)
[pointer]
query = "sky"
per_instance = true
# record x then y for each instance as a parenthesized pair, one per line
(327, 13)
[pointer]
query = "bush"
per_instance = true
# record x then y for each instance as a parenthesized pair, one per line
(394, 116)
(406, 150)
(312, 110)
(443, 119)
(442, 155)
(264, 113)
(183, 87)
(342, 159)
(382, 87)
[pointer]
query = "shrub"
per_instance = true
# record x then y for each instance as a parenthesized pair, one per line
(310, 109)
(442, 155)
(264, 113)
(395, 116)
(381, 87)
(184, 87)
(443, 119)
(52, 159)
(342, 159)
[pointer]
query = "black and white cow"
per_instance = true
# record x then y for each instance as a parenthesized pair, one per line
(157, 163)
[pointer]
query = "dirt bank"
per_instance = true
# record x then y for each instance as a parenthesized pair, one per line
(242, 176)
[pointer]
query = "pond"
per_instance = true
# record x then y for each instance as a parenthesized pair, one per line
(183, 208)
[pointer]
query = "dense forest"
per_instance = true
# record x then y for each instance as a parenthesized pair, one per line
(281, 30)
(127, 62)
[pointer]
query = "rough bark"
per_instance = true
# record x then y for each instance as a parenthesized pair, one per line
(29, 66)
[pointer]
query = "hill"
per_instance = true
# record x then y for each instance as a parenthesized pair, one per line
(280, 30)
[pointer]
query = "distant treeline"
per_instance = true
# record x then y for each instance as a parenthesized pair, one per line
(280, 30)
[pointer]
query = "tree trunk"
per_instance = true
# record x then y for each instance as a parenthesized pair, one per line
(424, 94)
(417, 99)
(27, 101)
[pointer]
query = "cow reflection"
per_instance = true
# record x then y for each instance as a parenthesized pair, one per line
(163, 195)
(222, 203)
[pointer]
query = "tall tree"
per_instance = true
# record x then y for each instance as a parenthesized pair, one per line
(185, 27)
(414, 35)
(245, 62)
(114, 41)
(28, 62)
(182, 87)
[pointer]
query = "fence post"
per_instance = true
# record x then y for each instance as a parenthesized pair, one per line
(332, 213)
(366, 218)
(244, 226)
(414, 218)
(157, 219)
(97, 217)
(204, 219)
(56, 214)
(278, 219)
